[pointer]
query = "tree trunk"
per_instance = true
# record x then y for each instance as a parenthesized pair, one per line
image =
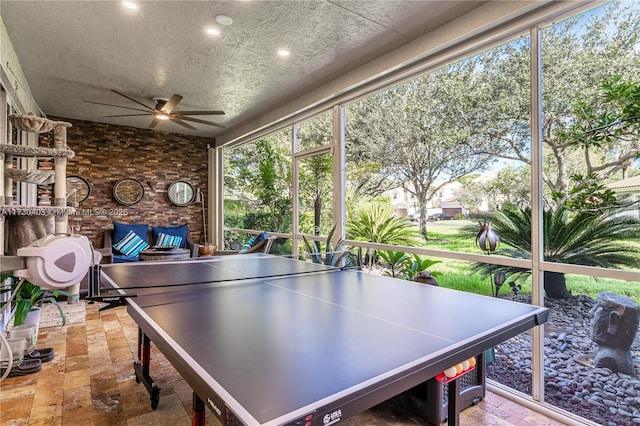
(423, 225)
(317, 213)
(555, 285)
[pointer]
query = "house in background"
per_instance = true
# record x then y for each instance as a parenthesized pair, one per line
(444, 201)
(629, 190)
(453, 208)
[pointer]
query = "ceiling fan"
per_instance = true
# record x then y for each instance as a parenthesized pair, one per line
(164, 111)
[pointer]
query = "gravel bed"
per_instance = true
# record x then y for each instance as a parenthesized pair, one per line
(571, 381)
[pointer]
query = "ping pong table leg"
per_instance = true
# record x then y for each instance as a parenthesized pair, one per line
(199, 414)
(141, 368)
(453, 405)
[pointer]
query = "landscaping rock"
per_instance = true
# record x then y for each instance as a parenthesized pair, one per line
(572, 381)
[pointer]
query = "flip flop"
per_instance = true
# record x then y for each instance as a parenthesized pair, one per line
(27, 366)
(43, 354)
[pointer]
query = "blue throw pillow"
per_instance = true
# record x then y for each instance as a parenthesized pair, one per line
(168, 240)
(131, 244)
(253, 242)
(260, 237)
(177, 231)
(120, 230)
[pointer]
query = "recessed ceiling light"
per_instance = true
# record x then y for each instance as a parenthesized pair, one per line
(224, 20)
(130, 5)
(212, 31)
(283, 53)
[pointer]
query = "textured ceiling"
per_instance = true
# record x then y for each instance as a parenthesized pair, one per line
(75, 51)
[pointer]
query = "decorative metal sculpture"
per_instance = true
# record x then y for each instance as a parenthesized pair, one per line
(515, 287)
(487, 239)
(498, 279)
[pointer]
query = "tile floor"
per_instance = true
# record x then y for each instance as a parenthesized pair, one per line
(91, 382)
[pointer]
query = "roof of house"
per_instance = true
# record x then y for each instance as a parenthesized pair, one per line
(625, 183)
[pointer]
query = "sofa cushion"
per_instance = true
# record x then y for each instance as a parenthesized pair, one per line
(131, 244)
(122, 229)
(178, 231)
(168, 240)
(121, 258)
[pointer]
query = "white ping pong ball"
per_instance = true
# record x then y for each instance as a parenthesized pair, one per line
(450, 372)
(472, 362)
(465, 365)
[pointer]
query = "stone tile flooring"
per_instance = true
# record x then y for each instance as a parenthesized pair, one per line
(90, 382)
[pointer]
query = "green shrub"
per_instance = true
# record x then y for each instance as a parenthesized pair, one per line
(376, 223)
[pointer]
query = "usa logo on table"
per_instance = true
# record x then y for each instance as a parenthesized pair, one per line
(331, 418)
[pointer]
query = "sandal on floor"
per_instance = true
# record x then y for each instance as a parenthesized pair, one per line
(27, 366)
(43, 354)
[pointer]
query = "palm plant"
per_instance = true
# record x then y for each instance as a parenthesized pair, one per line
(394, 260)
(581, 238)
(416, 264)
(331, 255)
(376, 222)
(402, 265)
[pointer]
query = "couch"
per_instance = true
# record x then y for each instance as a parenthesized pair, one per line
(147, 233)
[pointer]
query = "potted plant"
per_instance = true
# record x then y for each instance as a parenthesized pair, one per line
(29, 298)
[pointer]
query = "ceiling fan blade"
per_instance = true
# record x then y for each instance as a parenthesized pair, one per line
(183, 124)
(128, 115)
(133, 100)
(197, 120)
(171, 104)
(117, 106)
(181, 113)
(154, 122)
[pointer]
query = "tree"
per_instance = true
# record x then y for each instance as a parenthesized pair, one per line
(315, 190)
(376, 223)
(414, 133)
(507, 186)
(613, 123)
(581, 58)
(581, 238)
(365, 174)
(315, 182)
(258, 183)
(472, 192)
(458, 120)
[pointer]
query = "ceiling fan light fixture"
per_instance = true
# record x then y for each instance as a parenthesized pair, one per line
(224, 20)
(130, 5)
(163, 111)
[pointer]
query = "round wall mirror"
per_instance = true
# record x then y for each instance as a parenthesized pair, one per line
(78, 190)
(181, 193)
(128, 191)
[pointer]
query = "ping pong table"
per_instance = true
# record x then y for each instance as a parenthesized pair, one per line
(273, 340)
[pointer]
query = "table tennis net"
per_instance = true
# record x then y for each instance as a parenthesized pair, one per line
(220, 270)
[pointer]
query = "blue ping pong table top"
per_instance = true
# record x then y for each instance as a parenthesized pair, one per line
(324, 342)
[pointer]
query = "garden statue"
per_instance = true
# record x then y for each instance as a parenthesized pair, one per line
(614, 325)
(425, 277)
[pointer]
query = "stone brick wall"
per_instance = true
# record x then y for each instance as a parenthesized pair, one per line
(105, 153)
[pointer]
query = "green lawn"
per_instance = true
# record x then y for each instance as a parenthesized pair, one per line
(454, 236)
(458, 275)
